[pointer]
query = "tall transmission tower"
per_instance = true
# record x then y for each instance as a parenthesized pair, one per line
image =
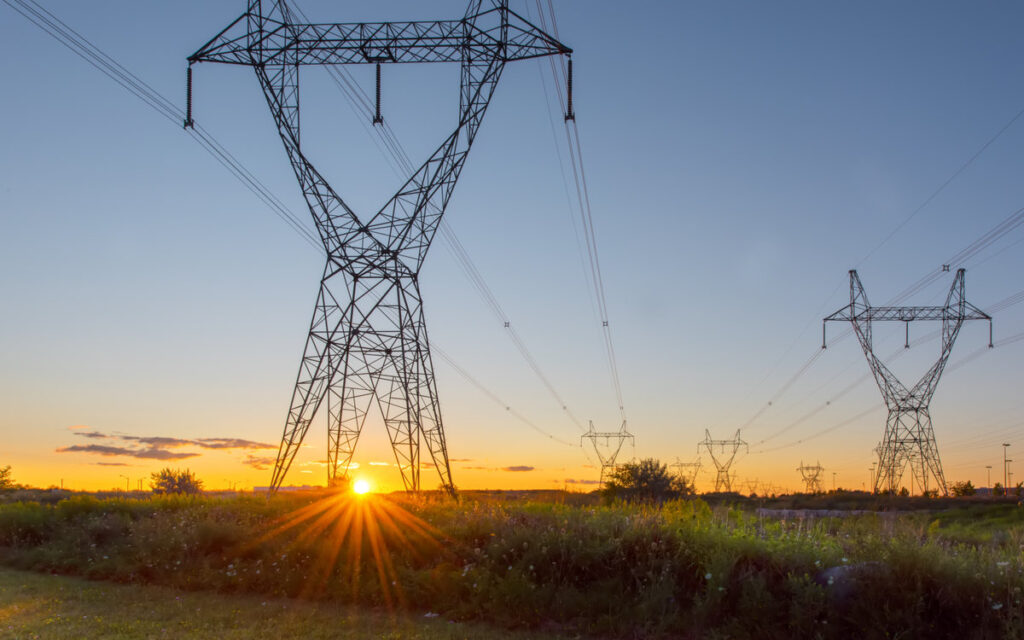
(909, 440)
(811, 476)
(727, 450)
(687, 471)
(368, 340)
(607, 453)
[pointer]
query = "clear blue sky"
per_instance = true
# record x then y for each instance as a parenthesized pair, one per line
(741, 156)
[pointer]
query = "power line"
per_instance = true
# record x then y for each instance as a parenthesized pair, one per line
(575, 149)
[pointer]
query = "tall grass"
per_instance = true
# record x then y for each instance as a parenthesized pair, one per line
(681, 569)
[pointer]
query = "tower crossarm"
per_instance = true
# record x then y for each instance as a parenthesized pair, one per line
(505, 35)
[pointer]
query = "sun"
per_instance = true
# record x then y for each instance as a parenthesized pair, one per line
(361, 487)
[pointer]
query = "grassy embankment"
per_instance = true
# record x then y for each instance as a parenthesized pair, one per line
(61, 608)
(683, 569)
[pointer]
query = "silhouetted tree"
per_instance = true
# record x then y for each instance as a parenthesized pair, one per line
(645, 481)
(5, 478)
(169, 480)
(964, 488)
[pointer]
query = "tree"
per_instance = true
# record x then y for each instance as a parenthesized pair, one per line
(645, 481)
(997, 489)
(169, 480)
(964, 488)
(5, 478)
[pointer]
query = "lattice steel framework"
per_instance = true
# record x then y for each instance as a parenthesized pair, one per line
(909, 440)
(811, 475)
(609, 452)
(367, 340)
(723, 461)
(687, 471)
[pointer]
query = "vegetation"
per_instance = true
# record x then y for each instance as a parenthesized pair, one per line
(678, 569)
(5, 478)
(175, 481)
(962, 489)
(646, 480)
(60, 608)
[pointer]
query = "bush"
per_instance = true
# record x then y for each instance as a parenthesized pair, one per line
(962, 489)
(5, 478)
(645, 481)
(168, 481)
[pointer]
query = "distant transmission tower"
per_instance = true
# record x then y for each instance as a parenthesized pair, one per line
(811, 476)
(909, 440)
(727, 450)
(609, 451)
(687, 471)
(367, 339)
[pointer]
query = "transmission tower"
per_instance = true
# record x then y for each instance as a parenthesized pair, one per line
(367, 340)
(687, 471)
(811, 476)
(727, 450)
(909, 440)
(609, 451)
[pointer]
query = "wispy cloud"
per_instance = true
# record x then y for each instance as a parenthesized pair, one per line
(380, 464)
(104, 450)
(577, 481)
(259, 462)
(517, 468)
(113, 464)
(157, 447)
(232, 443)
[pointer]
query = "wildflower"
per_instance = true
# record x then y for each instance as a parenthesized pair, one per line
(707, 576)
(996, 606)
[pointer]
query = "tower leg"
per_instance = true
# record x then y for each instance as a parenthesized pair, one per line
(909, 442)
(319, 361)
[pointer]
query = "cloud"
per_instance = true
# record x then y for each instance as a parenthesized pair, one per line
(156, 447)
(157, 442)
(476, 468)
(113, 464)
(380, 464)
(573, 481)
(518, 467)
(231, 443)
(460, 460)
(104, 450)
(259, 462)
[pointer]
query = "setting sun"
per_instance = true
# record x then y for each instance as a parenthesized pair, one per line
(361, 487)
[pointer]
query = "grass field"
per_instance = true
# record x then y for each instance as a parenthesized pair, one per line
(681, 569)
(49, 607)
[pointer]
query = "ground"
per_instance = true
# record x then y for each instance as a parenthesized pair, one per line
(57, 608)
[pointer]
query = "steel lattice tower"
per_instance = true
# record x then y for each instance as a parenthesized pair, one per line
(723, 461)
(367, 340)
(687, 471)
(811, 476)
(609, 453)
(909, 440)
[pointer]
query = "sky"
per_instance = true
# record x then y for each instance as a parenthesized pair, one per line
(741, 157)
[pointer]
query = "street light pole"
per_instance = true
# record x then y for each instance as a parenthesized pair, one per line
(127, 482)
(1006, 478)
(989, 485)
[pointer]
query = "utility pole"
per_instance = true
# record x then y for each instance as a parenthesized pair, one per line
(367, 342)
(127, 482)
(1006, 477)
(909, 440)
(988, 468)
(723, 461)
(833, 481)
